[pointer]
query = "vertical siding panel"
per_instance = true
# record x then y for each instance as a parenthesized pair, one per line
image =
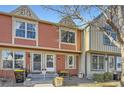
(97, 42)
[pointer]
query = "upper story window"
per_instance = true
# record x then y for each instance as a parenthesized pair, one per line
(67, 36)
(20, 29)
(31, 30)
(25, 30)
(106, 40)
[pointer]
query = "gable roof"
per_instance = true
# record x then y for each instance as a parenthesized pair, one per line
(67, 21)
(24, 10)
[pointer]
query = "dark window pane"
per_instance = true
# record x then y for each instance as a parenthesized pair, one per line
(19, 59)
(94, 63)
(50, 61)
(70, 60)
(20, 33)
(31, 27)
(37, 58)
(31, 34)
(37, 66)
(37, 62)
(101, 62)
(7, 64)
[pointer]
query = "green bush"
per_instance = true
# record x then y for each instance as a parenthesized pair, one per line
(98, 77)
(108, 76)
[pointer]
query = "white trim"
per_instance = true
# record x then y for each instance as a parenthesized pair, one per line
(34, 47)
(76, 40)
(54, 62)
(32, 65)
(59, 38)
(13, 31)
(37, 37)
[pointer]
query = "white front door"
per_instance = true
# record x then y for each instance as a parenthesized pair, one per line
(36, 63)
(50, 62)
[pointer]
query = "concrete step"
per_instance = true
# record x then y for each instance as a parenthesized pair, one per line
(41, 76)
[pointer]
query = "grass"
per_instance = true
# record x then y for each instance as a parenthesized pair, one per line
(101, 84)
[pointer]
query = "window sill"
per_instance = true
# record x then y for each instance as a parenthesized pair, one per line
(97, 70)
(68, 43)
(25, 38)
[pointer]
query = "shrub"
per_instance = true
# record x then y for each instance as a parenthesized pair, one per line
(98, 77)
(108, 76)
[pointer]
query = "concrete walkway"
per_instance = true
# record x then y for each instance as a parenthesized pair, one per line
(43, 85)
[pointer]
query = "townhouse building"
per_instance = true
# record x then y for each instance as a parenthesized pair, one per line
(27, 42)
(99, 54)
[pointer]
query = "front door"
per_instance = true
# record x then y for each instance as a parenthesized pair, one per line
(36, 64)
(50, 62)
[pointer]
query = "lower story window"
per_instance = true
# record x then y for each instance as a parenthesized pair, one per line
(71, 62)
(7, 57)
(97, 62)
(19, 59)
(12, 59)
(111, 61)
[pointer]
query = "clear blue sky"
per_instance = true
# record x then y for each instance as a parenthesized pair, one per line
(43, 13)
(38, 10)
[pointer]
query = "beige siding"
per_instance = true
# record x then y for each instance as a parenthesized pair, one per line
(96, 42)
(85, 40)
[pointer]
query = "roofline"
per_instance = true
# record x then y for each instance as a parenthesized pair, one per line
(39, 20)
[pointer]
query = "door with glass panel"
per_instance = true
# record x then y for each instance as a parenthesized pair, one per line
(36, 64)
(50, 63)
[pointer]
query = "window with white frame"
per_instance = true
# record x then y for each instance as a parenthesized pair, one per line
(7, 57)
(19, 60)
(67, 36)
(106, 40)
(12, 60)
(25, 30)
(111, 62)
(71, 62)
(97, 62)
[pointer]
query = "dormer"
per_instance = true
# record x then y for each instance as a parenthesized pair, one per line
(25, 11)
(67, 21)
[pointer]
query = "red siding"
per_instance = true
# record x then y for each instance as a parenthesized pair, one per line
(8, 74)
(69, 47)
(27, 61)
(25, 42)
(48, 36)
(5, 29)
(79, 40)
(60, 64)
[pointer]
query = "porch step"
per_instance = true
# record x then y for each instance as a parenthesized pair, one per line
(38, 78)
(41, 76)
